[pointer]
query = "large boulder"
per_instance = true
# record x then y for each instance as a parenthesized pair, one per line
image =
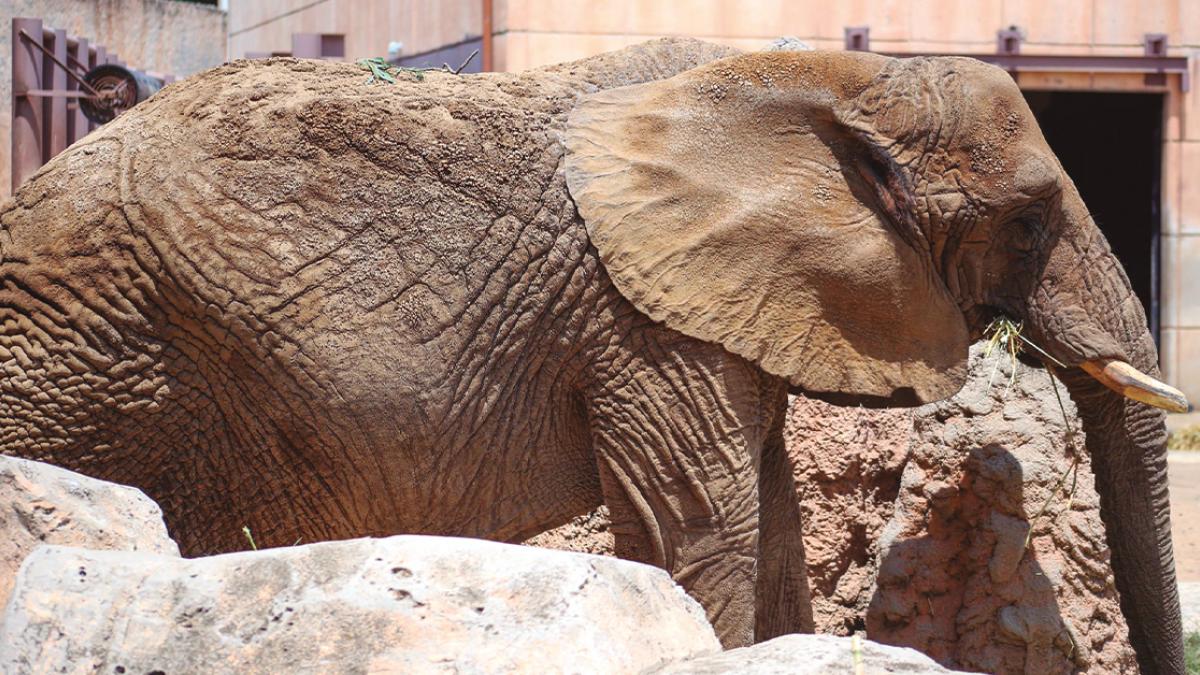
(43, 504)
(995, 556)
(847, 464)
(402, 604)
(809, 655)
(950, 569)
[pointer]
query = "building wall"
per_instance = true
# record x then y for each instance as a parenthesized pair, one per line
(369, 25)
(538, 32)
(1180, 351)
(166, 36)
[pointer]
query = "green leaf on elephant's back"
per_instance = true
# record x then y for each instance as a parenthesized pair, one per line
(379, 69)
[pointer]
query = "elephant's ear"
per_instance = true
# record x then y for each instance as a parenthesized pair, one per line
(734, 204)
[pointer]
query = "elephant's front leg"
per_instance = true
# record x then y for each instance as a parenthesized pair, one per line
(678, 431)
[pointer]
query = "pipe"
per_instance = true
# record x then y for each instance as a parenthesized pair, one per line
(27, 112)
(487, 36)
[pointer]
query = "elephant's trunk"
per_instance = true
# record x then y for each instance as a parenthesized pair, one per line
(1127, 443)
(1086, 314)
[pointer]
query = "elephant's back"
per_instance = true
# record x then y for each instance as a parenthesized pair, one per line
(310, 200)
(362, 220)
(339, 222)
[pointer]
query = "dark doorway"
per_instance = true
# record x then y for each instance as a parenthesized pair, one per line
(1110, 145)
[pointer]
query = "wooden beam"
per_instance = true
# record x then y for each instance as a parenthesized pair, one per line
(487, 36)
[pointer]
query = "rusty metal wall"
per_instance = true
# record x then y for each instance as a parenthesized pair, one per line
(168, 37)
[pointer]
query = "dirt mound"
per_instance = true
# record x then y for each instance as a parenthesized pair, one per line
(956, 576)
(847, 464)
(588, 533)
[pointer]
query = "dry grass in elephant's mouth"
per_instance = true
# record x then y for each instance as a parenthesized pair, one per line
(1005, 334)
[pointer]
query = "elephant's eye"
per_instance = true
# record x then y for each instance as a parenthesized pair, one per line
(1026, 232)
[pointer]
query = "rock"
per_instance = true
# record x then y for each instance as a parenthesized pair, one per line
(847, 464)
(588, 533)
(401, 604)
(43, 504)
(788, 43)
(808, 654)
(1010, 547)
(956, 579)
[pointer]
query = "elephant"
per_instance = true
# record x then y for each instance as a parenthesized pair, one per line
(282, 296)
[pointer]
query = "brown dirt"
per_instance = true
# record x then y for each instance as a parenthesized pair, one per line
(588, 533)
(847, 464)
(956, 579)
(1184, 469)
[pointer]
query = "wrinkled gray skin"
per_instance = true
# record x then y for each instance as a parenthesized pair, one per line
(276, 297)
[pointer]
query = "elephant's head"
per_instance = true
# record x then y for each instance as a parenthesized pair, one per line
(850, 222)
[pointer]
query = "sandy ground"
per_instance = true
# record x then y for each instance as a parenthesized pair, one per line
(1184, 469)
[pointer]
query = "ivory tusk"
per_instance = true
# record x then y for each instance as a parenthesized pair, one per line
(1131, 383)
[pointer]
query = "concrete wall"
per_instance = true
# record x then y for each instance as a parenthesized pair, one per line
(180, 38)
(1180, 350)
(369, 25)
(537, 32)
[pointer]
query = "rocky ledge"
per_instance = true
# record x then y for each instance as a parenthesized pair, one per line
(101, 589)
